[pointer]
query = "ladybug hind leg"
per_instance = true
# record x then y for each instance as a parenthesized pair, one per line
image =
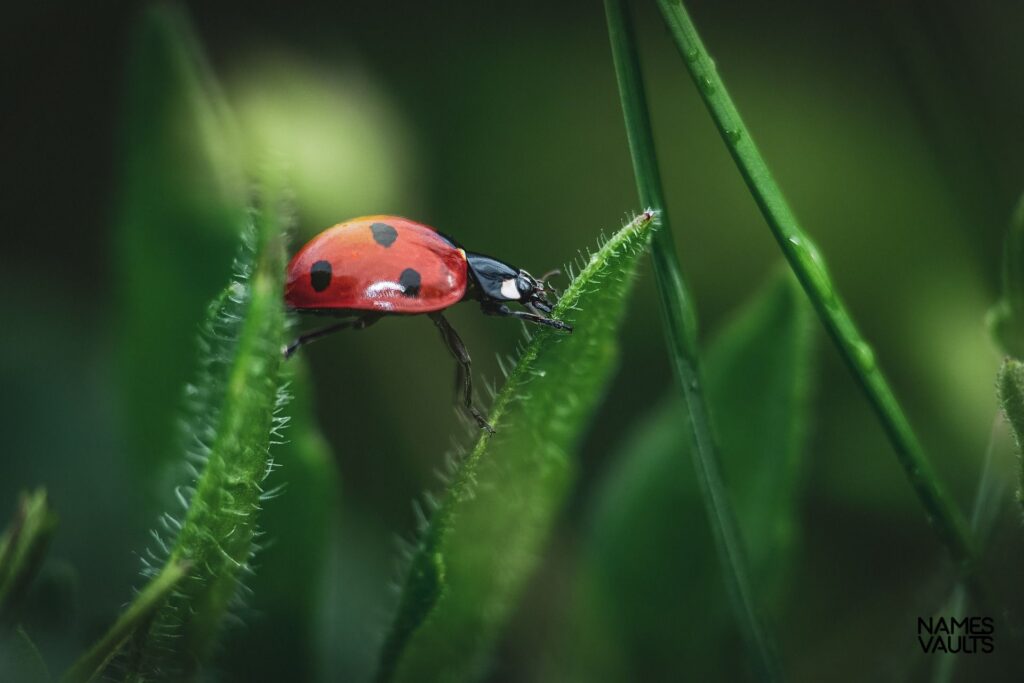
(463, 372)
(359, 323)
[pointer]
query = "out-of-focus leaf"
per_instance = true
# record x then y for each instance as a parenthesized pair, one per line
(284, 606)
(20, 659)
(180, 210)
(22, 549)
(482, 543)
(346, 146)
(650, 597)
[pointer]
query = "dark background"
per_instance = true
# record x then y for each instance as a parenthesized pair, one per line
(893, 128)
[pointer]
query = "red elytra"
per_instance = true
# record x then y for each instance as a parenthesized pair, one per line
(375, 266)
(377, 263)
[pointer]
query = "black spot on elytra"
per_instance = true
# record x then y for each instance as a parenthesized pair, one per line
(320, 275)
(410, 281)
(384, 234)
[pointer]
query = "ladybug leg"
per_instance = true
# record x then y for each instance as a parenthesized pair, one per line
(360, 323)
(464, 376)
(491, 308)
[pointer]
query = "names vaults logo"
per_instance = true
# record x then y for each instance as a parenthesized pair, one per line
(969, 635)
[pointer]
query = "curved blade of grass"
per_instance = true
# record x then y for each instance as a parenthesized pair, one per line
(232, 427)
(295, 525)
(180, 210)
(1006, 319)
(633, 619)
(482, 542)
(806, 261)
(680, 323)
(22, 549)
(92, 663)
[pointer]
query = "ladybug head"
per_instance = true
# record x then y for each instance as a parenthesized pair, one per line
(533, 291)
(499, 281)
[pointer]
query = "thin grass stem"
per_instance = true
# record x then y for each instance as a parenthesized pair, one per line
(680, 320)
(809, 267)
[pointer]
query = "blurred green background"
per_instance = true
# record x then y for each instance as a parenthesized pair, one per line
(894, 129)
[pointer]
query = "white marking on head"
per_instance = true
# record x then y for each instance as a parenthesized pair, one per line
(509, 289)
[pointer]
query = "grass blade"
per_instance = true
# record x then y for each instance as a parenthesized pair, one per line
(234, 408)
(296, 526)
(758, 382)
(680, 322)
(482, 542)
(181, 209)
(806, 261)
(22, 549)
(92, 663)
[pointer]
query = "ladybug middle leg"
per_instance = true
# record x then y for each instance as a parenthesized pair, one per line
(359, 323)
(464, 376)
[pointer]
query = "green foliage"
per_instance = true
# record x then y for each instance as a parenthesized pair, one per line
(484, 538)
(809, 266)
(650, 597)
(233, 420)
(1006, 319)
(22, 549)
(285, 592)
(679, 315)
(180, 210)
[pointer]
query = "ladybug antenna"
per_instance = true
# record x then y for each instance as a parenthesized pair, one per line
(543, 280)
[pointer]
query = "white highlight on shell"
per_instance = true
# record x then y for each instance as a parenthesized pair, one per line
(509, 289)
(384, 288)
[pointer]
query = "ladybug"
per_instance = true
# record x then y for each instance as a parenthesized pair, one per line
(375, 266)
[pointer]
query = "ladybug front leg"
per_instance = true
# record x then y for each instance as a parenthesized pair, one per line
(491, 308)
(464, 375)
(360, 323)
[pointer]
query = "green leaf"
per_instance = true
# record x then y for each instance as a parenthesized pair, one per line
(1006, 319)
(182, 205)
(180, 210)
(650, 596)
(483, 541)
(92, 663)
(22, 550)
(1011, 396)
(233, 423)
(296, 530)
